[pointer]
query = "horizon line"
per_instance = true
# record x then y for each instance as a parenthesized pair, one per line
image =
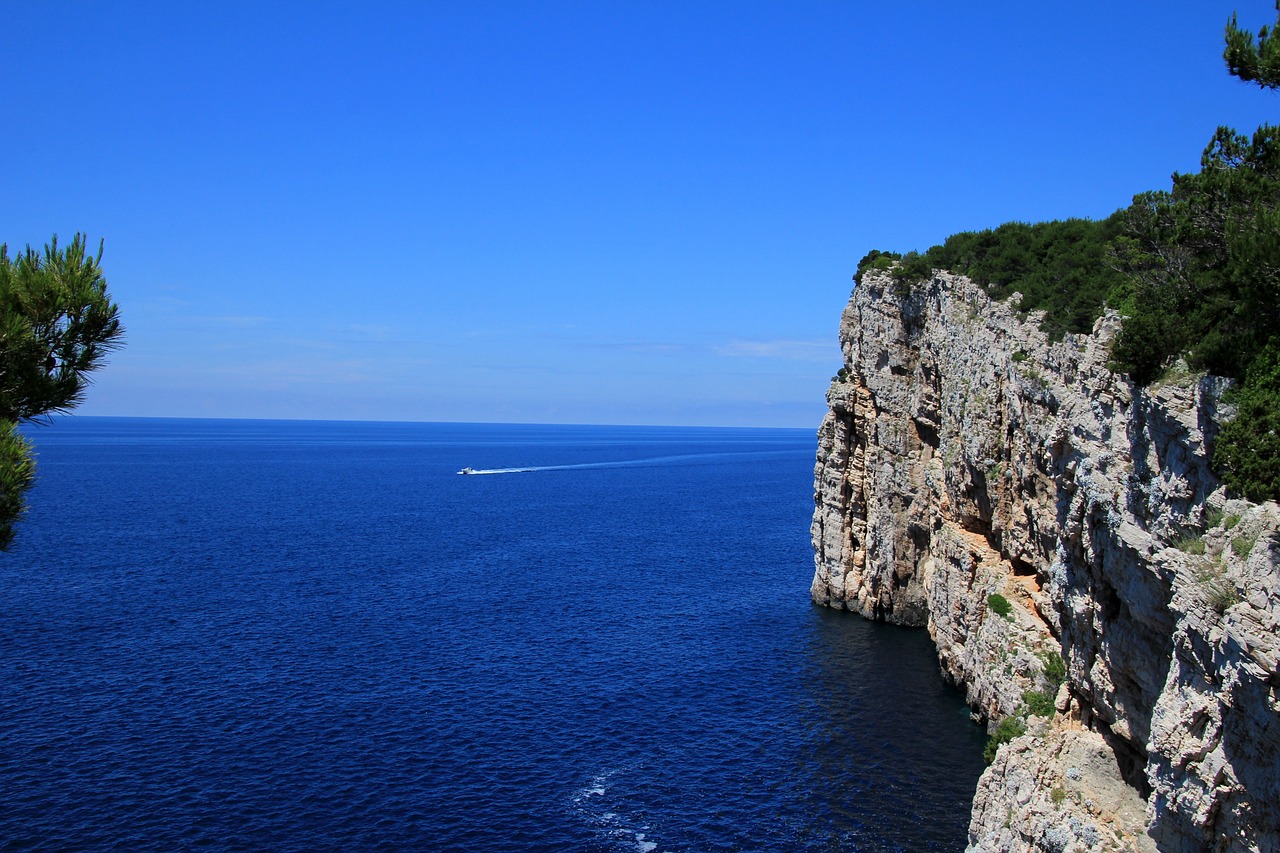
(48, 421)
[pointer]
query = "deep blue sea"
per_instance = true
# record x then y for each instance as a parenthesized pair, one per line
(316, 636)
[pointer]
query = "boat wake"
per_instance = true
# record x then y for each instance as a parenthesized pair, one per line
(634, 463)
(618, 831)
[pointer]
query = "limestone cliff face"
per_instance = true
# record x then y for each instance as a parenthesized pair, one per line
(967, 456)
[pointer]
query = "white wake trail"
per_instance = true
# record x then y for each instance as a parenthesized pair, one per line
(631, 463)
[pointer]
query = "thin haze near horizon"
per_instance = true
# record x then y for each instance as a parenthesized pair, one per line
(563, 212)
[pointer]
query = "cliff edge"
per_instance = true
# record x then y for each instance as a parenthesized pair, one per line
(1062, 537)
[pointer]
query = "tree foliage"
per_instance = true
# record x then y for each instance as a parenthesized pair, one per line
(1194, 269)
(1008, 729)
(1247, 452)
(1204, 260)
(17, 472)
(57, 324)
(1254, 62)
(1060, 267)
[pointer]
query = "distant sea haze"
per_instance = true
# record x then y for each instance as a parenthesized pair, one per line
(254, 635)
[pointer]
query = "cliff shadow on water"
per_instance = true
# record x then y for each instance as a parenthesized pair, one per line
(890, 711)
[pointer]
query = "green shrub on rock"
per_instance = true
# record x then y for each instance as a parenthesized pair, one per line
(1248, 448)
(1055, 669)
(1039, 703)
(1190, 545)
(1008, 729)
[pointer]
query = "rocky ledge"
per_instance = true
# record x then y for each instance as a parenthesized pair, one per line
(1079, 567)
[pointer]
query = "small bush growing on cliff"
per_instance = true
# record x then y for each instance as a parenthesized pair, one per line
(1009, 728)
(1248, 448)
(1209, 570)
(999, 604)
(1217, 590)
(875, 260)
(905, 270)
(1242, 545)
(1190, 545)
(1220, 594)
(1055, 669)
(1039, 703)
(913, 267)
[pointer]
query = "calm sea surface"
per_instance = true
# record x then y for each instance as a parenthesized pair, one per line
(239, 635)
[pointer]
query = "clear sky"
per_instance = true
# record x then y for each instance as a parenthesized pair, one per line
(577, 212)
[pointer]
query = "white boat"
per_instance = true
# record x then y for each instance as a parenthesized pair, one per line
(467, 471)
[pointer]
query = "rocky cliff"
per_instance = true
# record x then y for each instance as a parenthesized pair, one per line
(1023, 503)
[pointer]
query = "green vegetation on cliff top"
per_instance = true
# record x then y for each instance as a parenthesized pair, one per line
(1195, 271)
(1062, 268)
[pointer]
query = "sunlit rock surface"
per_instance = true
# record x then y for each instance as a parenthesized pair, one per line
(964, 456)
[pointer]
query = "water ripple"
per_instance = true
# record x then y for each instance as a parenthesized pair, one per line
(284, 637)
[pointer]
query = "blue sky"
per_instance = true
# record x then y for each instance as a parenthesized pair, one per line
(574, 212)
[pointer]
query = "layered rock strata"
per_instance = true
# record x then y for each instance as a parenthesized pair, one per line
(1022, 501)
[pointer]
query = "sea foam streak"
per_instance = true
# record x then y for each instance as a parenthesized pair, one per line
(631, 463)
(591, 805)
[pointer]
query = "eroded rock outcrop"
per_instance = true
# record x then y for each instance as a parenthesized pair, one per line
(968, 461)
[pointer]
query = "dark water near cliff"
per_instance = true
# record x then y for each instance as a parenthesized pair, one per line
(316, 636)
